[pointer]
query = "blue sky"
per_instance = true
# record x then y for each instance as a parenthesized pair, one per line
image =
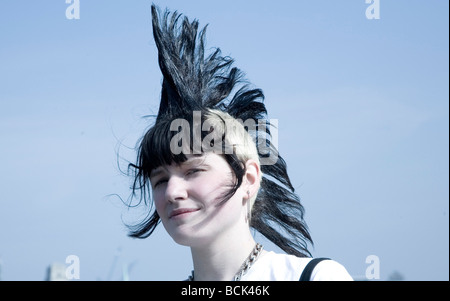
(362, 108)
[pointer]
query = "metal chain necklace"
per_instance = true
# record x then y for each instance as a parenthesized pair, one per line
(245, 266)
(248, 262)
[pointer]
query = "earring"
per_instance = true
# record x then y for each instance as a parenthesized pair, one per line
(249, 213)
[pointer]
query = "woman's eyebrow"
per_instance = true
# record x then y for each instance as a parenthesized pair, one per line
(156, 172)
(193, 161)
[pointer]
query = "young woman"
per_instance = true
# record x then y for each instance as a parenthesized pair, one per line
(209, 167)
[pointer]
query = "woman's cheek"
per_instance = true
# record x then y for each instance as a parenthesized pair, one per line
(159, 203)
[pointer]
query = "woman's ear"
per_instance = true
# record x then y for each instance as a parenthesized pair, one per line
(252, 177)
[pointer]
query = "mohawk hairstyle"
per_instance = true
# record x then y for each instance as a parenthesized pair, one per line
(195, 82)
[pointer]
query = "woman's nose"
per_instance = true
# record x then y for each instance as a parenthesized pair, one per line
(176, 189)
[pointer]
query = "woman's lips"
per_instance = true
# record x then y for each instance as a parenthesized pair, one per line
(181, 212)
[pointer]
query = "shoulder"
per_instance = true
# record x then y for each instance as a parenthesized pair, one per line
(330, 270)
(274, 266)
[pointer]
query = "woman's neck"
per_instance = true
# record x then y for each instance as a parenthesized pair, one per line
(221, 259)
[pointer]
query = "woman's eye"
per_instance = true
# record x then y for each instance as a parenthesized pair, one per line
(193, 171)
(159, 182)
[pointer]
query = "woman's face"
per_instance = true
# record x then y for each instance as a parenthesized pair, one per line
(187, 198)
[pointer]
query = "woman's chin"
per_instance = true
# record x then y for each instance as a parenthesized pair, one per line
(187, 239)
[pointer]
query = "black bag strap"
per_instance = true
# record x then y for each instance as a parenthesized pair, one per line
(307, 271)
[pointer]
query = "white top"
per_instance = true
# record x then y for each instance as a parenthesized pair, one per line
(271, 266)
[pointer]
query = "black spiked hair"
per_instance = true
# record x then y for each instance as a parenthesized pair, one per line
(195, 82)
